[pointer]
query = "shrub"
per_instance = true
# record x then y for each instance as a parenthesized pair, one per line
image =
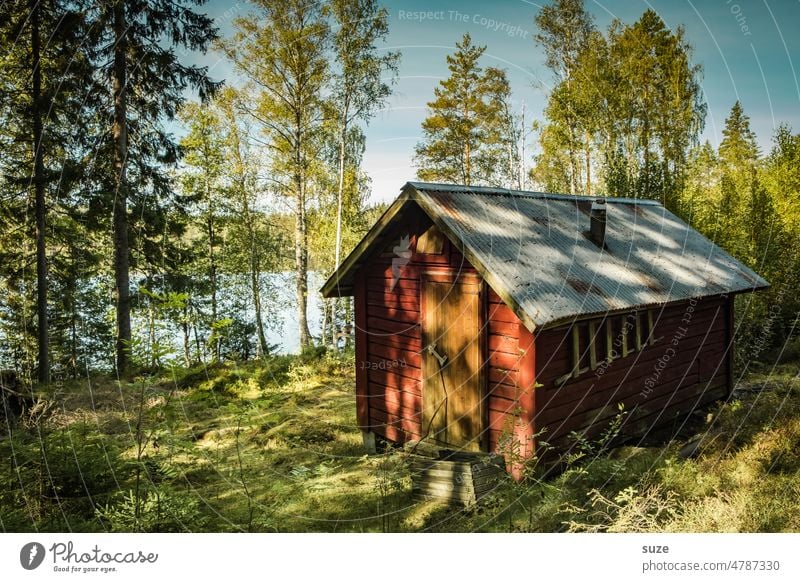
(160, 509)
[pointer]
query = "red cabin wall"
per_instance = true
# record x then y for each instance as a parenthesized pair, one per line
(388, 341)
(686, 369)
(505, 367)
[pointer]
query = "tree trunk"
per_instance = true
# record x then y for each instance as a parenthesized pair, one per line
(151, 335)
(646, 142)
(340, 204)
(255, 273)
(467, 165)
(212, 268)
(71, 307)
(573, 154)
(187, 356)
(301, 261)
(73, 330)
(340, 198)
(198, 347)
(119, 132)
(41, 210)
(255, 256)
(326, 307)
(573, 161)
(335, 311)
(588, 165)
(522, 150)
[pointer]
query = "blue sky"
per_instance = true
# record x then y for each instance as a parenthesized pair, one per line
(749, 51)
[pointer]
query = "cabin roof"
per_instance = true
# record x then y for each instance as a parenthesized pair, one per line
(534, 251)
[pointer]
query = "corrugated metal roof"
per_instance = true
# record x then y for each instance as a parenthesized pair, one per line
(534, 251)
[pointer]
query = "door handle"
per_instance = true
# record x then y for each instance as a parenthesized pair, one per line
(432, 350)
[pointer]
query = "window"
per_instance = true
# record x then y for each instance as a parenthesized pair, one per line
(597, 342)
(581, 348)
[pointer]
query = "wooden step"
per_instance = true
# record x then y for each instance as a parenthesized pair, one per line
(461, 478)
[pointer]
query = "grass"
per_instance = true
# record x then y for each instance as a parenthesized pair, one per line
(274, 447)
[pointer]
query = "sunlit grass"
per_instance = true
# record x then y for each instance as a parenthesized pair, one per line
(275, 447)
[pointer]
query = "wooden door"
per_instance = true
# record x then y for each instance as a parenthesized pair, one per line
(452, 388)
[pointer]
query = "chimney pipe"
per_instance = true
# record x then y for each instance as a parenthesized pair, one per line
(597, 222)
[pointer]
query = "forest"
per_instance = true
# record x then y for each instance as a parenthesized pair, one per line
(158, 223)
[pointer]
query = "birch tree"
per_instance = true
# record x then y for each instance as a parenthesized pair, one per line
(282, 49)
(259, 248)
(202, 181)
(361, 85)
(564, 31)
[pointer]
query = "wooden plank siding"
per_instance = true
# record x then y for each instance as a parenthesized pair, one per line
(504, 377)
(393, 344)
(686, 368)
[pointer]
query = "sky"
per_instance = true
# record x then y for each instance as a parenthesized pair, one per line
(749, 50)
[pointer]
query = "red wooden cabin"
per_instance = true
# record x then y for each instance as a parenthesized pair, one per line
(495, 320)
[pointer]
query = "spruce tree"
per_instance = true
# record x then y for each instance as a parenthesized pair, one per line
(738, 149)
(44, 75)
(146, 82)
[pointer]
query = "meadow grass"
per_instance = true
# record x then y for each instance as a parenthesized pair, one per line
(274, 447)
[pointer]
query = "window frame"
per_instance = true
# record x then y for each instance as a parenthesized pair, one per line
(637, 325)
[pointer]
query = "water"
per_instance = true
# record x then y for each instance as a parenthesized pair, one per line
(283, 330)
(234, 300)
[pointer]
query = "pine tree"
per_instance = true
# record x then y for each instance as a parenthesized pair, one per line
(738, 149)
(147, 82)
(747, 213)
(782, 178)
(466, 131)
(701, 190)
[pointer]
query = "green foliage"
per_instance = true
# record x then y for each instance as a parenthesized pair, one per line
(732, 196)
(465, 136)
(161, 511)
(392, 479)
(585, 448)
(359, 90)
(68, 469)
(274, 446)
(309, 87)
(46, 105)
(566, 33)
(625, 108)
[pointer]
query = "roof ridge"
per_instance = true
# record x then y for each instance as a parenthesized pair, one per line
(442, 187)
